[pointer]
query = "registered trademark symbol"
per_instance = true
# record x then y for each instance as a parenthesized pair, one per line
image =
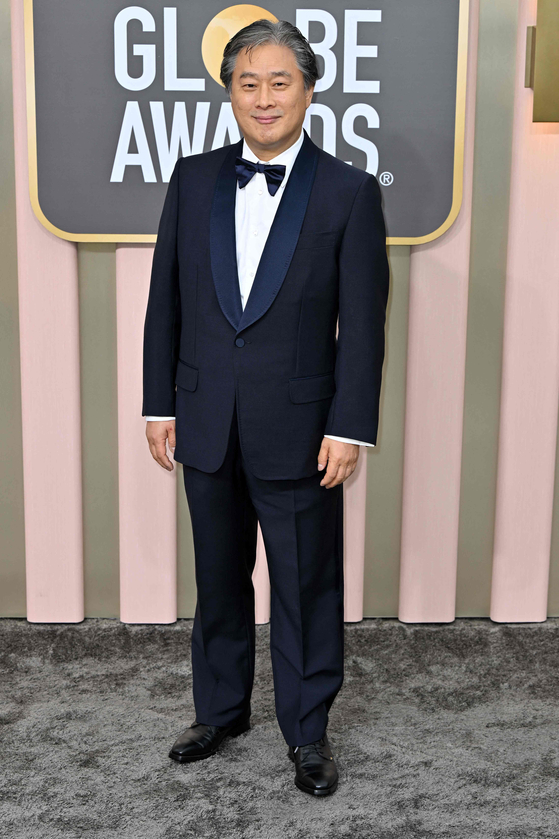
(387, 178)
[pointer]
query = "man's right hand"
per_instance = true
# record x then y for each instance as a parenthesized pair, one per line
(158, 432)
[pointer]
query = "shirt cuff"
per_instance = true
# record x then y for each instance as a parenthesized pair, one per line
(158, 419)
(331, 436)
(349, 440)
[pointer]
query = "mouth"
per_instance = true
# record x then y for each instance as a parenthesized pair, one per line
(267, 120)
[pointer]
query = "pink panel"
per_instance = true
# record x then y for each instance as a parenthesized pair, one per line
(261, 582)
(147, 492)
(434, 401)
(528, 434)
(49, 336)
(355, 510)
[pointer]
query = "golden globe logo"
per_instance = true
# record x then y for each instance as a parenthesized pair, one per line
(116, 94)
(175, 140)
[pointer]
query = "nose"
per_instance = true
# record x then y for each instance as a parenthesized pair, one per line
(265, 97)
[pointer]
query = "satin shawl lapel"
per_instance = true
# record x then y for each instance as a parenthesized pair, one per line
(280, 244)
(284, 233)
(223, 248)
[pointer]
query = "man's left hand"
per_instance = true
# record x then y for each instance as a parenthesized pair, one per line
(341, 459)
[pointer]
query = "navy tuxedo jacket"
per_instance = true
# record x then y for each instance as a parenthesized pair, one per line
(292, 378)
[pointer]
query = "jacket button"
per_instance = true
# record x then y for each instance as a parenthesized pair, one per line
(240, 342)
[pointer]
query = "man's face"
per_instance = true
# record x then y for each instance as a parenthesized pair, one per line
(268, 98)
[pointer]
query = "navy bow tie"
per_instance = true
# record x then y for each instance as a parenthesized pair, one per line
(274, 174)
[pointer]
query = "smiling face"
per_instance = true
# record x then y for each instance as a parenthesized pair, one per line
(269, 99)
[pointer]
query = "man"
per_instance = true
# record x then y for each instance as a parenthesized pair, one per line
(262, 244)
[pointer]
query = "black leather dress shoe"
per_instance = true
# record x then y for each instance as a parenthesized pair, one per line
(201, 740)
(315, 769)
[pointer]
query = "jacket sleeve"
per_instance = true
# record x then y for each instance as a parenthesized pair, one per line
(363, 294)
(162, 324)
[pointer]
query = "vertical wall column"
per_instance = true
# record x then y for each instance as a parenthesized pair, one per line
(553, 592)
(435, 399)
(496, 68)
(12, 528)
(530, 392)
(385, 462)
(147, 492)
(186, 579)
(99, 397)
(261, 582)
(50, 390)
(355, 518)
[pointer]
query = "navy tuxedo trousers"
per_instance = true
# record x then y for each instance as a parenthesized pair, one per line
(302, 528)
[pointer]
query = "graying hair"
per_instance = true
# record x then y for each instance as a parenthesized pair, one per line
(265, 31)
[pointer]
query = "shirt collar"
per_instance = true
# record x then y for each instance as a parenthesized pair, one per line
(287, 157)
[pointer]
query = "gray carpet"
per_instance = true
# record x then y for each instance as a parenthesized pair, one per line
(440, 731)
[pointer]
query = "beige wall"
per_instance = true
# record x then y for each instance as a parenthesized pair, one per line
(453, 513)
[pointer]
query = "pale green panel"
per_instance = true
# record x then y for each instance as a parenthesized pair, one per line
(186, 583)
(385, 462)
(490, 216)
(12, 540)
(98, 360)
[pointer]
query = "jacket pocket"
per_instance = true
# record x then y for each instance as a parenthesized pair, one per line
(327, 239)
(187, 375)
(312, 388)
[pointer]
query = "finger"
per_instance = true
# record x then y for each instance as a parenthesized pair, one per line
(350, 469)
(155, 454)
(331, 472)
(161, 455)
(152, 449)
(345, 469)
(157, 440)
(323, 454)
(335, 480)
(166, 463)
(172, 438)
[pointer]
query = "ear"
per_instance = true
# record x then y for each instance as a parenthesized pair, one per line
(309, 95)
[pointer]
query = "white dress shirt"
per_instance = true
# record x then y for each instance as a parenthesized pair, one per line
(255, 209)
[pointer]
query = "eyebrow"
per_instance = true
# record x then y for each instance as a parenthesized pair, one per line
(272, 73)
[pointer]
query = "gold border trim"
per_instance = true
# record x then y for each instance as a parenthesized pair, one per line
(459, 136)
(32, 152)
